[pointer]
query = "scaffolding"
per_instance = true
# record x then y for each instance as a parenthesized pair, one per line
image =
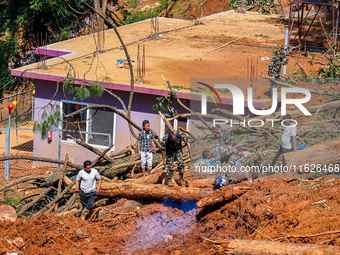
(304, 15)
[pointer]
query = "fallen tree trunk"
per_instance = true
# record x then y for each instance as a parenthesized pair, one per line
(62, 174)
(122, 152)
(101, 156)
(167, 123)
(70, 202)
(124, 165)
(91, 148)
(22, 180)
(29, 205)
(316, 108)
(320, 92)
(187, 132)
(187, 108)
(222, 195)
(42, 159)
(154, 178)
(274, 248)
(324, 154)
(56, 199)
(151, 191)
(7, 213)
(166, 11)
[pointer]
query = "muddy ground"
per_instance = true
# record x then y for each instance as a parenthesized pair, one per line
(273, 209)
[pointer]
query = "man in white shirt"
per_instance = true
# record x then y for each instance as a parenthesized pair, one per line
(288, 138)
(87, 192)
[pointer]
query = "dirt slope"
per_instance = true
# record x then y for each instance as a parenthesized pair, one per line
(272, 210)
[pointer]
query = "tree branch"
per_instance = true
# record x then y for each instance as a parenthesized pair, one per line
(42, 159)
(185, 107)
(110, 25)
(108, 107)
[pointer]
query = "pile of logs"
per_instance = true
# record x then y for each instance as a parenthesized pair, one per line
(59, 185)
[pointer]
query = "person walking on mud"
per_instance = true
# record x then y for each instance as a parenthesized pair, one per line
(288, 139)
(87, 191)
(146, 146)
(171, 150)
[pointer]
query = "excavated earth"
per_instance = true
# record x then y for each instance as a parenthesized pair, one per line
(274, 209)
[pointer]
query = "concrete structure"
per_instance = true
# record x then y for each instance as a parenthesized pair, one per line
(76, 57)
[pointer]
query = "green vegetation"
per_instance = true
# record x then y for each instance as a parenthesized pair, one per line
(11, 200)
(27, 24)
(51, 117)
(264, 6)
(8, 52)
(261, 35)
(180, 87)
(183, 87)
(224, 90)
(131, 12)
(333, 69)
(165, 104)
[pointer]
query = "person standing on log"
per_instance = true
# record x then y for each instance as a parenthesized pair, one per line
(288, 138)
(171, 150)
(146, 146)
(223, 152)
(87, 192)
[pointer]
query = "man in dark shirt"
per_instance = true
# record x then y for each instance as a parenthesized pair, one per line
(274, 70)
(224, 152)
(171, 150)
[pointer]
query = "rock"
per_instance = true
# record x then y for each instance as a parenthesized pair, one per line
(167, 238)
(19, 242)
(79, 231)
(7, 213)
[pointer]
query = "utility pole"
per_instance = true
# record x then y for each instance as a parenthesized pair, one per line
(284, 69)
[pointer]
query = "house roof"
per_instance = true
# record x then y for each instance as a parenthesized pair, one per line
(182, 52)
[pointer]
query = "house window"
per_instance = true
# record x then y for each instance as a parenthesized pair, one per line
(167, 130)
(94, 126)
(183, 123)
(176, 123)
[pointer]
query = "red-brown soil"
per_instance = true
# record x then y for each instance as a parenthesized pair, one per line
(273, 209)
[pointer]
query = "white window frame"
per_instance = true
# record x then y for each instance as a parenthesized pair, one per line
(113, 135)
(162, 126)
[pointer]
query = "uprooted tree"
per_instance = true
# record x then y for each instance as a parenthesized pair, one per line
(112, 166)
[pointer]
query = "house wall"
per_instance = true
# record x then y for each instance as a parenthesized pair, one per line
(141, 110)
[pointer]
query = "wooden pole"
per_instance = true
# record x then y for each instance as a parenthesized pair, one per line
(56, 199)
(29, 205)
(227, 44)
(62, 174)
